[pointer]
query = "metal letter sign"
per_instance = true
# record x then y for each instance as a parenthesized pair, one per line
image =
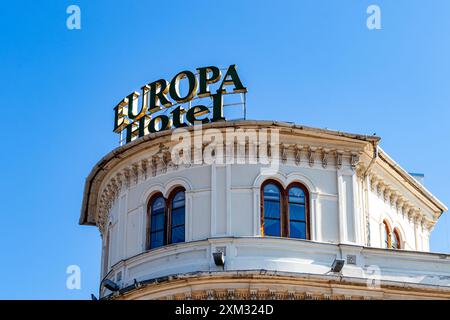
(142, 113)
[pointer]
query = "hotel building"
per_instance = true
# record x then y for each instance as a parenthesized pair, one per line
(338, 219)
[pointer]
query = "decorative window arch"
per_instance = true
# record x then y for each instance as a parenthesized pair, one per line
(166, 218)
(285, 211)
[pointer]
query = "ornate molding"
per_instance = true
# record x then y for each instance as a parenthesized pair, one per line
(374, 183)
(144, 163)
(283, 153)
(298, 154)
(354, 160)
(339, 159)
(135, 172)
(398, 201)
(325, 158)
(311, 153)
(259, 294)
(160, 162)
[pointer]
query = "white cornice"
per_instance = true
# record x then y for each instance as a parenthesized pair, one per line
(316, 138)
(410, 182)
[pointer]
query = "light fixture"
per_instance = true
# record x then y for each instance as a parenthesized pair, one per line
(337, 265)
(110, 285)
(219, 258)
(137, 284)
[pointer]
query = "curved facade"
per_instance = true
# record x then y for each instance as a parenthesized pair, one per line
(333, 196)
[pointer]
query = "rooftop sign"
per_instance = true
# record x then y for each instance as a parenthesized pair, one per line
(142, 113)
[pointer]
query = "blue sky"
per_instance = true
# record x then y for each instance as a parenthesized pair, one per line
(311, 62)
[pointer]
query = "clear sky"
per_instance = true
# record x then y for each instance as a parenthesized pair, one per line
(311, 62)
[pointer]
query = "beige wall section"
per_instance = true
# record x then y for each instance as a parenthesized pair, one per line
(275, 285)
(375, 273)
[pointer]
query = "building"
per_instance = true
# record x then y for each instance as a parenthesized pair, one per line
(335, 197)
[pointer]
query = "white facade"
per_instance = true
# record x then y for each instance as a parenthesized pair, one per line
(354, 190)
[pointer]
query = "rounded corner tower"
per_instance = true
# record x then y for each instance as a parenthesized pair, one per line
(329, 216)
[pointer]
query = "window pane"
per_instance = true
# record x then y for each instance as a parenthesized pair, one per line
(272, 227)
(296, 211)
(178, 234)
(156, 239)
(296, 195)
(395, 241)
(158, 204)
(385, 236)
(271, 192)
(178, 200)
(178, 218)
(297, 230)
(157, 222)
(272, 210)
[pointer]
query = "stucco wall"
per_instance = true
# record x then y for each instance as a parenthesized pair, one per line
(224, 200)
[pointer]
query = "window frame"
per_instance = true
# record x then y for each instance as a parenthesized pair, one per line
(396, 234)
(149, 220)
(307, 219)
(387, 230)
(169, 202)
(282, 205)
(284, 208)
(167, 234)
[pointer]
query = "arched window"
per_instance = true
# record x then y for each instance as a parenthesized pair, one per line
(391, 239)
(177, 216)
(284, 211)
(166, 219)
(298, 224)
(396, 244)
(157, 221)
(272, 210)
(386, 235)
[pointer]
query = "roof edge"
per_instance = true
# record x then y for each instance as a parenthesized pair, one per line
(417, 185)
(83, 220)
